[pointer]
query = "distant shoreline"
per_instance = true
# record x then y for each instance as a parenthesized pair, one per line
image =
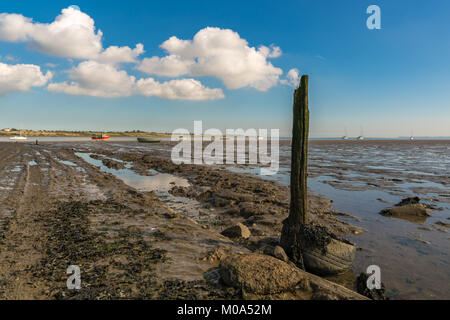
(78, 134)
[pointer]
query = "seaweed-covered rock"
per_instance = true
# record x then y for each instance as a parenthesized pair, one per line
(409, 209)
(374, 294)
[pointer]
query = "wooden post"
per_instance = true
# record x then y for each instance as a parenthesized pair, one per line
(299, 161)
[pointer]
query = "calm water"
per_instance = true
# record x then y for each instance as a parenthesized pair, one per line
(363, 178)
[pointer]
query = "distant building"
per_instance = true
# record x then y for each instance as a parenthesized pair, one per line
(6, 129)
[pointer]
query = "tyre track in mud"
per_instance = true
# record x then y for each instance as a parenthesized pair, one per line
(21, 247)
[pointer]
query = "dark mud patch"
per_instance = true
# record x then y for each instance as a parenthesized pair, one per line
(196, 290)
(111, 267)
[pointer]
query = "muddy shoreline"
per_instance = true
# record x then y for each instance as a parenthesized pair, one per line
(133, 196)
(59, 210)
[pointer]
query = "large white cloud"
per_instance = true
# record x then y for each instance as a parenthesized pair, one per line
(215, 52)
(96, 79)
(221, 53)
(21, 77)
(71, 35)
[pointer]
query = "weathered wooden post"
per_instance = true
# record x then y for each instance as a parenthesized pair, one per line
(299, 161)
(308, 245)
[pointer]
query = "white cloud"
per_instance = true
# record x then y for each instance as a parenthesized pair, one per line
(21, 77)
(221, 53)
(272, 52)
(116, 54)
(71, 35)
(183, 89)
(215, 52)
(95, 79)
(169, 66)
(292, 78)
(92, 78)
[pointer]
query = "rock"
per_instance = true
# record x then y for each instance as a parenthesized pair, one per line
(443, 224)
(248, 209)
(260, 274)
(374, 294)
(276, 252)
(410, 209)
(416, 212)
(411, 200)
(265, 277)
(112, 164)
(179, 191)
(237, 231)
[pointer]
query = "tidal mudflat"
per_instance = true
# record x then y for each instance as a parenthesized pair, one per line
(141, 227)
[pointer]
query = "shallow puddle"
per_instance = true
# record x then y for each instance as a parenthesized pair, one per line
(159, 182)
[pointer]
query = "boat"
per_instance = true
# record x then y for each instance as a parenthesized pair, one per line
(18, 138)
(148, 140)
(100, 137)
(345, 136)
(361, 136)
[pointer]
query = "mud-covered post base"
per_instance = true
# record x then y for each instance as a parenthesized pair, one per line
(299, 161)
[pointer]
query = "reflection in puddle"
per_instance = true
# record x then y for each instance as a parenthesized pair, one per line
(159, 182)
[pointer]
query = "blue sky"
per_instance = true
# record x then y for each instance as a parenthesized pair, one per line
(390, 82)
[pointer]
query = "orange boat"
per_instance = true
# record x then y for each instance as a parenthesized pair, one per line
(100, 137)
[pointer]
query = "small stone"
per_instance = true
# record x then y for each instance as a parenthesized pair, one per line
(237, 231)
(278, 252)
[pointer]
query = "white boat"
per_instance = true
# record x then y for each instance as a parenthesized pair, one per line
(18, 138)
(345, 136)
(361, 136)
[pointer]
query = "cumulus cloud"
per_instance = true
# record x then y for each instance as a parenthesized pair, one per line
(272, 52)
(183, 89)
(221, 53)
(169, 66)
(116, 54)
(292, 78)
(71, 35)
(21, 77)
(96, 79)
(213, 52)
